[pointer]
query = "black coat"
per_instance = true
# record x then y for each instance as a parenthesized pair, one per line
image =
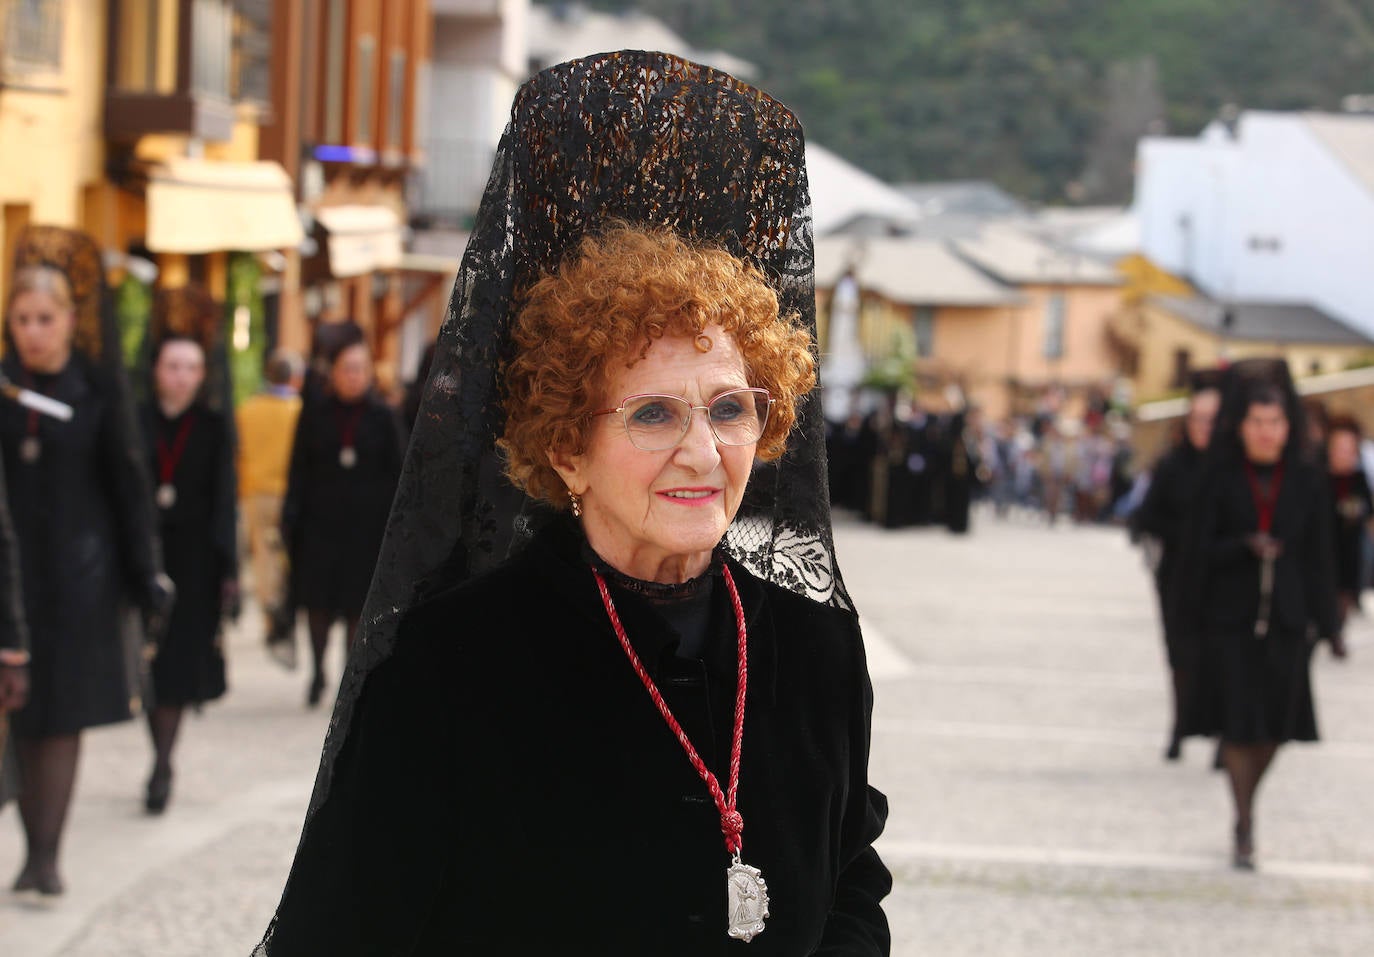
(1351, 508)
(83, 519)
(199, 535)
(508, 787)
(1248, 688)
(333, 517)
(1164, 515)
(14, 630)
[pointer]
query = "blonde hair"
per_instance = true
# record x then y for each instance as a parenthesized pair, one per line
(51, 282)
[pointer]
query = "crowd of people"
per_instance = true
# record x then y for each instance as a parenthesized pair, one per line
(901, 465)
(1260, 516)
(130, 490)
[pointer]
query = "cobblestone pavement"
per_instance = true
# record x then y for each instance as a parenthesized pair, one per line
(1018, 729)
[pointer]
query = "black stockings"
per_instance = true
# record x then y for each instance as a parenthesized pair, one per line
(1245, 766)
(164, 721)
(48, 769)
(320, 621)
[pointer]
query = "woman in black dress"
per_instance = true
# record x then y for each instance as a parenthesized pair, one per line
(1260, 584)
(82, 509)
(1351, 511)
(189, 450)
(344, 466)
(1164, 516)
(509, 769)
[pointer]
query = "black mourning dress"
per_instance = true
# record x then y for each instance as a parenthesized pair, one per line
(1254, 690)
(333, 517)
(1164, 514)
(508, 786)
(198, 534)
(83, 521)
(1351, 508)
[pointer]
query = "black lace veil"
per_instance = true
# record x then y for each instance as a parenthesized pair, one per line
(645, 138)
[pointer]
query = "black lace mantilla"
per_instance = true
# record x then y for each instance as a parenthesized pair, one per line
(646, 138)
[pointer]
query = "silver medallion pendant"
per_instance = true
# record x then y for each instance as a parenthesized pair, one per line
(30, 449)
(348, 456)
(166, 495)
(748, 900)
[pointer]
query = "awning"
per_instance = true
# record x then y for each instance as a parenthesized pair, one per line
(201, 206)
(361, 239)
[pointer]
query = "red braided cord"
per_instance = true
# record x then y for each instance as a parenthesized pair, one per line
(731, 823)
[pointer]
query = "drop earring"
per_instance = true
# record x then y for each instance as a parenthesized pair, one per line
(576, 501)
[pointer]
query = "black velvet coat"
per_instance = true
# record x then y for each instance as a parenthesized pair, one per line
(1252, 689)
(1351, 508)
(83, 519)
(14, 630)
(508, 787)
(1164, 515)
(199, 548)
(333, 517)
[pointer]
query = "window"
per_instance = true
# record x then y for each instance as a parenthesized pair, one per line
(336, 40)
(251, 62)
(1183, 367)
(31, 33)
(367, 88)
(924, 326)
(1054, 326)
(396, 100)
(210, 41)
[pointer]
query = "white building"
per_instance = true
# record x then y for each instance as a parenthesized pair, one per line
(1277, 207)
(480, 60)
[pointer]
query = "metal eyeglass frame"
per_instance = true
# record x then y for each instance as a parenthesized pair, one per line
(691, 410)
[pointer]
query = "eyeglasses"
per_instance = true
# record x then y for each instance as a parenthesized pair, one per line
(656, 422)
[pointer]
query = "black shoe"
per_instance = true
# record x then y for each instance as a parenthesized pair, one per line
(1174, 751)
(45, 882)
(159, 792)
(1243, 857)
(312, 699)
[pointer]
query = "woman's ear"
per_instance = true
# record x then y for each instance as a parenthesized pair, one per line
(570, 469)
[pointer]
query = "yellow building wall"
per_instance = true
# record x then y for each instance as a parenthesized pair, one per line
(1162, 334)
(977, 346)
(51, 139)
(1087, 355)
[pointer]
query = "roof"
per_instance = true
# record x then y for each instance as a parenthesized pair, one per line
(964, 197)
(1263, 321)
(841, 193)
(1350, 138)
(1017, 258)
(910, 271)
(566, 31)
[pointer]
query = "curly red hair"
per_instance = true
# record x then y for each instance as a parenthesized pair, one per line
(615, 294)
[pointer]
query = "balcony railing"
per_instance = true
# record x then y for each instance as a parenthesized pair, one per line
(30, 36)
(452, 180)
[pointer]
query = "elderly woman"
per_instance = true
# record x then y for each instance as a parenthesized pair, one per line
(624, 738)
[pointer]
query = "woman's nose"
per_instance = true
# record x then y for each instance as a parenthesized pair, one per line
(698, 446)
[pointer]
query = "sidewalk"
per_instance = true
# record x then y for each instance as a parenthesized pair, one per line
(1018, 731)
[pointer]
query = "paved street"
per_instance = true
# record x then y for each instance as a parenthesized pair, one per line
(1018, 729)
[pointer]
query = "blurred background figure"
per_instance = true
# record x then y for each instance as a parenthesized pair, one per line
(1163, 516)
(82, 508)
(1258, 584)
(266, 428)
(189, 447)
(345, 462)
(1351, 511)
